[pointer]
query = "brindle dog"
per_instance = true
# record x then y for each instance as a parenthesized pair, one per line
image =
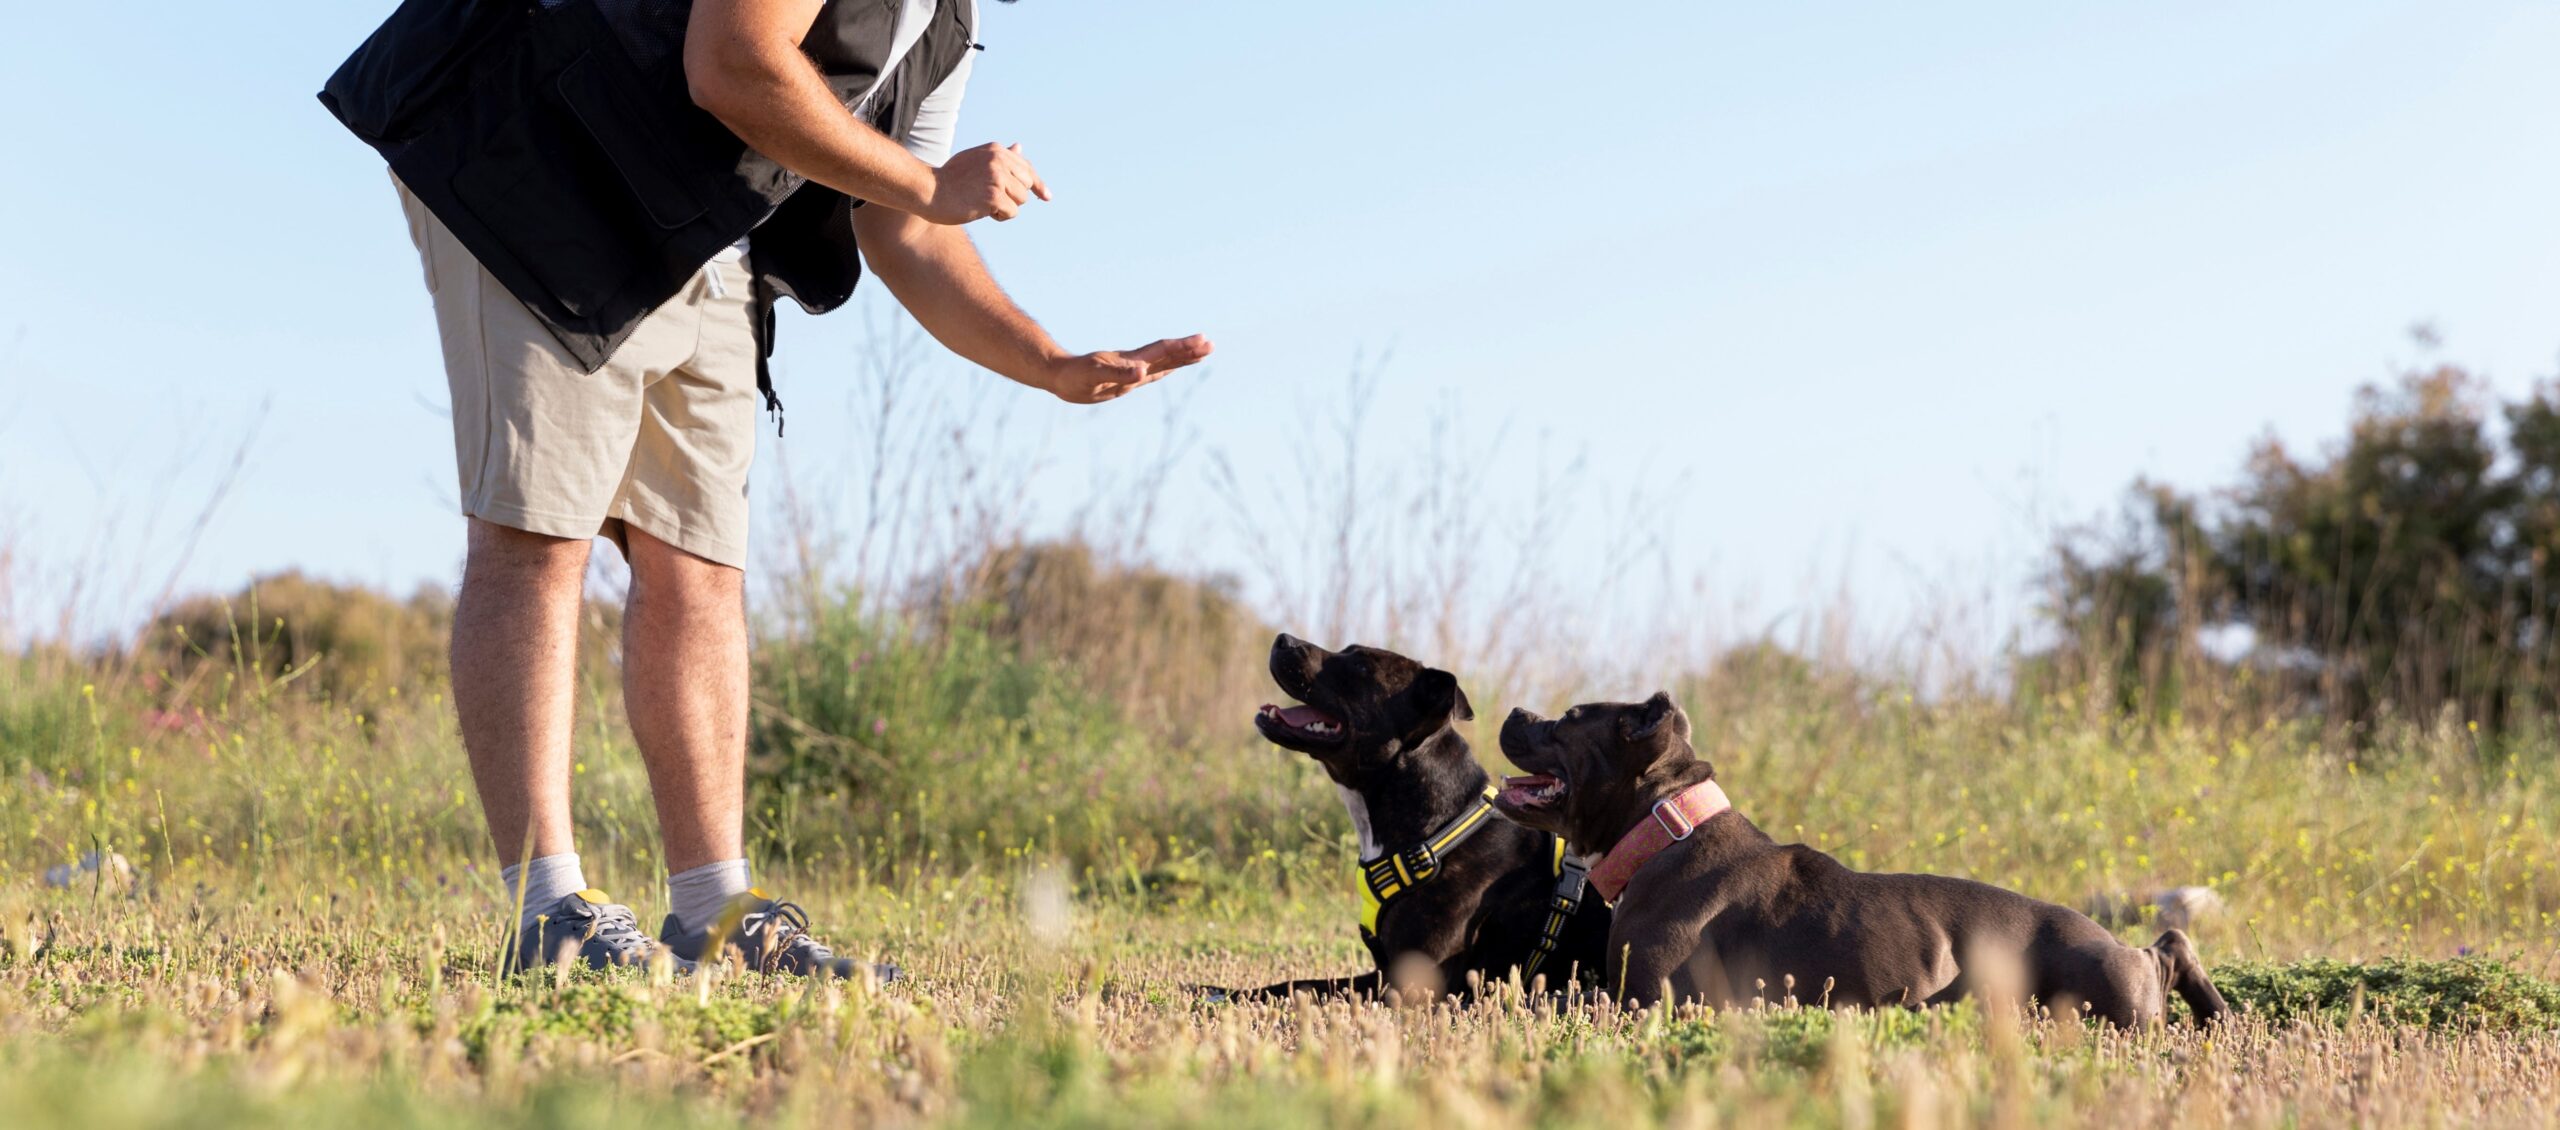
(1728, 915)
(1385, 729)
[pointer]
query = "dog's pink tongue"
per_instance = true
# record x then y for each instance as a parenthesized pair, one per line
(1529, 791)
(1301, 717)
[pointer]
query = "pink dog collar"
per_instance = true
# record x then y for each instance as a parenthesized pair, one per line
(1673, 819)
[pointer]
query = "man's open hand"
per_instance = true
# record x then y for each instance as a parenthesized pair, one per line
(1097, 377)
(990, 180)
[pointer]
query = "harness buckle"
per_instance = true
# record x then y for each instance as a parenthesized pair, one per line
(1664, 814)
(1419, 862)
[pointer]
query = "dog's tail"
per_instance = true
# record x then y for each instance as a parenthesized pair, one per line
(2184, 975)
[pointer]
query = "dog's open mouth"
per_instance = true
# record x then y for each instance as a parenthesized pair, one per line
(1305, 723)
(1532, 791)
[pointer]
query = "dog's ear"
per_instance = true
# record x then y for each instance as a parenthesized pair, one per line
(1658, 716)
(1439, 695)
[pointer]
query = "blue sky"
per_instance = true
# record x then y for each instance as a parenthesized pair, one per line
(1890, 283)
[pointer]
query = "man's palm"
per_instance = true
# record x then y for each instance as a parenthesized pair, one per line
(1097, 377)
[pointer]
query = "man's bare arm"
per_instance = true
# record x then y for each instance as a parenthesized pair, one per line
(745, 66)
(936, 273)
(743, 63)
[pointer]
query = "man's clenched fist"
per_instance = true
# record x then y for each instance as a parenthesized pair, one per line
(990, 180)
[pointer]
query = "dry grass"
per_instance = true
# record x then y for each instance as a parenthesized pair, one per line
(310, 941)
(1024, 773)
(327, 1003)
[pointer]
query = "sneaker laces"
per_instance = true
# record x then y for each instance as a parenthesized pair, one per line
(784, 928)
(616, 926)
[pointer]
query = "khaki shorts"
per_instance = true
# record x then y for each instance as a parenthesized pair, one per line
(660, 438)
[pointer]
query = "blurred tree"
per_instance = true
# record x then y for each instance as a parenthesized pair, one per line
(2409, 569)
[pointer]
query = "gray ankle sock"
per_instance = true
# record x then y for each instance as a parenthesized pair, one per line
(546, 880)
(696, 897)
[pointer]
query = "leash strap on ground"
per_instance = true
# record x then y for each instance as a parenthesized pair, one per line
(1390, 875)
(1572, 879)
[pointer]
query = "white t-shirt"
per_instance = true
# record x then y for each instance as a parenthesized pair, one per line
(937, 119)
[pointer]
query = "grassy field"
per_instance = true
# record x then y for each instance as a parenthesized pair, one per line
(308, 931)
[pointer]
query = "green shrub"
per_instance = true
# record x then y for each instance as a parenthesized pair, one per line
(2471, 993)
(875, 739)
(44, 719)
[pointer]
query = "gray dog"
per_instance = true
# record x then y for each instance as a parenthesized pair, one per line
(1713, 909)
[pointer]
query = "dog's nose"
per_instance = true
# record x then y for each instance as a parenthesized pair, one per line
(1287, 640)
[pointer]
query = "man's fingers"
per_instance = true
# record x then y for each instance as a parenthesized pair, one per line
(1021, 166)
(1110, 376)
(1012, 170)
(1173, 353)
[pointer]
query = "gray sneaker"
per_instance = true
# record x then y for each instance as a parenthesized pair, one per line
(771, 937)
(604, 933)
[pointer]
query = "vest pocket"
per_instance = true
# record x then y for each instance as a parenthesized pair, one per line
(570, 183)
(632, 128)
(549, 199)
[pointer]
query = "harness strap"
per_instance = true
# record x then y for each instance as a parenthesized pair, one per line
(1390, 875)
(1571, 881)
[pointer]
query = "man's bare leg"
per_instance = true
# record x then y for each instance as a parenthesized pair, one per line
(684, 682)
(515, 653)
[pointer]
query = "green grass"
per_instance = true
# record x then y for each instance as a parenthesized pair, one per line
(312, 938)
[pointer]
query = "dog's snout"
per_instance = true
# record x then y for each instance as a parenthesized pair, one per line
(1519, 729)
(1294, 663)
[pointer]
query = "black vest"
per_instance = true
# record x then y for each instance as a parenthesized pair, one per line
(556, 138)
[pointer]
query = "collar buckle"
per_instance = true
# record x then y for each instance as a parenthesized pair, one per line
(1664, 813)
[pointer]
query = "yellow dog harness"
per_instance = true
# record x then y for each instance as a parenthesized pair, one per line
(1390, 876)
